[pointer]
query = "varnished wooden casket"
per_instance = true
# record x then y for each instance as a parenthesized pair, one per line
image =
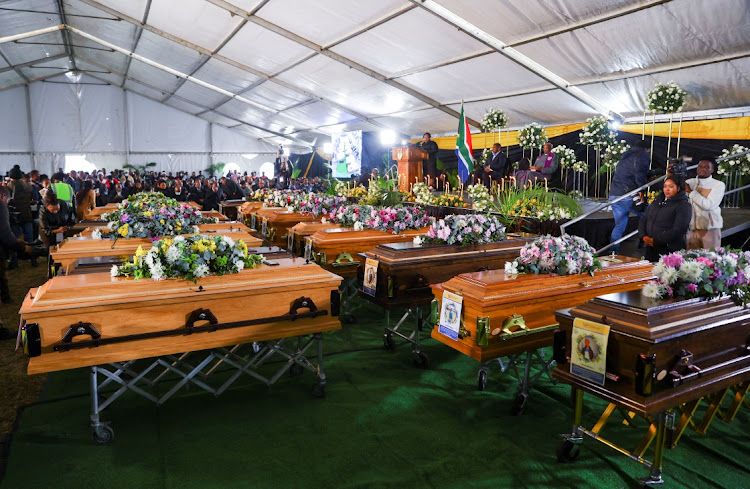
(230, 208)
(72, 249)
(255, 216)
(498, 296)
(215, 214)
(298, 233)
(339, 249)
(247, 207)
(216, 228)
(661, 353)
(275, 226)
(405, 271)
(96, 213)
(93, 319)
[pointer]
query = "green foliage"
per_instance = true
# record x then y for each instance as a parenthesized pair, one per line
(141, 169)
(296, 172)
(383, 192)
(215, 168)
(439, 164)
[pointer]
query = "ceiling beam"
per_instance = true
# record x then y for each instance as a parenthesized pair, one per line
(137, 38)
(37, 32)
(337, 57)
(29, 63)
(65, 33)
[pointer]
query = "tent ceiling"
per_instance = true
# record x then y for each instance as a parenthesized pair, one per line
(292, 70)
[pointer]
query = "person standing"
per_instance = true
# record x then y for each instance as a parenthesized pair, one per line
(664, 226)
(494, 169)
(705, 194)
(62, 190)
(548, 165)
(22, 197)
(431, 148)
(86, 199)
(631, 172)
(8, 243)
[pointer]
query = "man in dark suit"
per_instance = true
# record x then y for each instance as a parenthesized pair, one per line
(495, 167)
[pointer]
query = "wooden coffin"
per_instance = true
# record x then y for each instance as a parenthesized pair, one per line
(338, 249)
(248, 207)
(217, 228)
(661, 353)
(215, 214)
(121, 307)
(298, 233)
(96, 213)
(498, 296)
(275, 226)
(72, 249)
(411, 269)
(230, 208)
(255, 216)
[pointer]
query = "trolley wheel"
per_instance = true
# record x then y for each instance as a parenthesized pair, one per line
(347, 318)
(388, 342)
(567, 451)
(422, 360)
(104, 435)
(296, 370)
(519, 404)
(482, 383)
(318, 390)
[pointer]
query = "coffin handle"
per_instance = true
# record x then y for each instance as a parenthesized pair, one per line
(302, 303)
(200, 315)
(81, 328)
(344, 260)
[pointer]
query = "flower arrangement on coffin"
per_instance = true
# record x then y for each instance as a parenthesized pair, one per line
(391, 219)
(596, 132)
(566, 255)
(480, 197)
(382, 192)
(150, 215)
(191, 258)
(341, 189)
(739, 164)
(702, 273)
(565, 156)
(532, 136)
(450, 200)
(258, 195)
(422, 194)
(494, 119)
(651, 196)
(357, 192)
(284, 198)
(319, 205)
(537, 203)
(466, 230)
(666, 99)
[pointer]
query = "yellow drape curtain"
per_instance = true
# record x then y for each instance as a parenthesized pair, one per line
(731, 128)
(507, 138)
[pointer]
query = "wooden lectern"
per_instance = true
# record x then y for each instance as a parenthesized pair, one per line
(409, 160)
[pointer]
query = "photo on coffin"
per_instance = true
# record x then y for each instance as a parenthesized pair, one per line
(347, 154)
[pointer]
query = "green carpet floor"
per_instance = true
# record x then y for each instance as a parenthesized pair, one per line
(383, 423)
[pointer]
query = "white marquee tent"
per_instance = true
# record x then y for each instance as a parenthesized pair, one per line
(186, 82)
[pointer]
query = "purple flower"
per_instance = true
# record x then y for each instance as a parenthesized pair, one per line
(125, 217)
(691, 287)
(673, 260)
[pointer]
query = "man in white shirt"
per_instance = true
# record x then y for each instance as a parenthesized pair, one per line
(705, 195)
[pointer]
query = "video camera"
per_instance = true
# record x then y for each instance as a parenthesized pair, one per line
(678, 166)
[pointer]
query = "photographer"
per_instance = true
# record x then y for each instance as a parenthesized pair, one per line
(57, 218)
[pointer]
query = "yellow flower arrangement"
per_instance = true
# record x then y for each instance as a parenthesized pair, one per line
(123, 230)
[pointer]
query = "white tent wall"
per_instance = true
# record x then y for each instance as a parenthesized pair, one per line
(112, 127)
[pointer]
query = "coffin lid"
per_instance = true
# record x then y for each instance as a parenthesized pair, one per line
(659, 320)
(288, 217)
(348, 235)
(308, 228)
(100, 289)
(408, 252)
(495, 287)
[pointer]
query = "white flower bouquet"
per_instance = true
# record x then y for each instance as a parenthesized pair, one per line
(494, 119)
(666, 99)
(566, 156)
(532, 136)
(480, 197)
(596, 132)
(739, 164)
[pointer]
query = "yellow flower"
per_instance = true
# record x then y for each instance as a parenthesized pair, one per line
(147, 214)
(140, 251)
(212, 246)
(123, 231)
(161, 221)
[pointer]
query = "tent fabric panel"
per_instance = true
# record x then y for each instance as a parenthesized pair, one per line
(111, 59)
(118, 32)
(199, 94)
(141, 89)
(212, 116)
(250, 131)
(10, 78)
(172, 162)
(262, 49)
(393, 46)
(93, 71)
(226, 76)
(183, 106)
(77, 117)
(243, 112)
(14, 122)
(340, 17)
(491, 75)
(196, 21)
(229, 141)
(13, 22)
(160, 79)
(155, 127)
(319, 114)
(275, 96)
(18, 53)
(132, 8)
(418, 122)
(339, 83)
(7, 161)
(168, 53)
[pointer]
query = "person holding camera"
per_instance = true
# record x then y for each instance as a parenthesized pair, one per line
(664, 226)
(631, 172)
(57, 218)
(705, 194)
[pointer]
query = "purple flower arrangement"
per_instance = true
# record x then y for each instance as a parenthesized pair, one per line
(466, 230)
(565, 255)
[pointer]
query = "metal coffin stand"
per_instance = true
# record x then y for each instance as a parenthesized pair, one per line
(405, 272)
(663, 359)
(514, 316)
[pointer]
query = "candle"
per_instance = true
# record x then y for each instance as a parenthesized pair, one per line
(545, 184)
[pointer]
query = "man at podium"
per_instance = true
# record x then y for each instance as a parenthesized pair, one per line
(431, 148)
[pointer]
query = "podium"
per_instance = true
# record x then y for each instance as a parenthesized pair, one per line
(409, 160)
